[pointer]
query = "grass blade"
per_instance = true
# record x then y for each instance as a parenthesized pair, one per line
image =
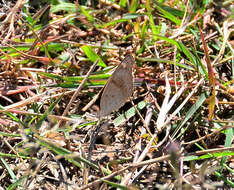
(91, 54)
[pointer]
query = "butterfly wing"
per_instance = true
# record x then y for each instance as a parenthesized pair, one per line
(118, 88)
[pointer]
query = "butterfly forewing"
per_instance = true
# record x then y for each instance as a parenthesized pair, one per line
(118, 88)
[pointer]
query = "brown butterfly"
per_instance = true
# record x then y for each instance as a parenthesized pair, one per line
(118, 88)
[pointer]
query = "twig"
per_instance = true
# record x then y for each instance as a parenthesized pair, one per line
(142, 119)
(141, 157)
(152, 161)
(30, 100)
(181, 106)
(165, 138)
(79, 88)
(127, 177)
(138, 157)
(206, 136)
(11, 19)
(84, 109)
(50, 116)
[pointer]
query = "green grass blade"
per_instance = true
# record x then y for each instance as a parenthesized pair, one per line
(13, 117)
(43, 117)
(165, 61)
(207, 156)
(228, 143)
(190, 113)
(132, 15)
(10, 171)
(182, 48)
(122, 3)
(128, 114)
(168, 15)
(91, 54)
(86, 14)
(67, 7)
(111, 23)
(17, 184)
(13, 176)
(133, 6)
(153, 27)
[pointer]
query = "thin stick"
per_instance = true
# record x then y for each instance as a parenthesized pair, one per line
(207, 136)
(77, 92)
(84, 109)
(79, 88)
(136, 165)
(141, 118)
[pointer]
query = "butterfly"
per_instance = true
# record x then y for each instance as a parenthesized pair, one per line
(118, 88)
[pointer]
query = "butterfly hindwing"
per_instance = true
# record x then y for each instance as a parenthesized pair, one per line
(118, 88)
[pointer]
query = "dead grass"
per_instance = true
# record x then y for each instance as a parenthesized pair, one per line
(175, 133)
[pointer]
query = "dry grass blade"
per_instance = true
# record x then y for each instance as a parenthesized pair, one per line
(166, 106)
(47, 50)
(211, 79)
(27, 101)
